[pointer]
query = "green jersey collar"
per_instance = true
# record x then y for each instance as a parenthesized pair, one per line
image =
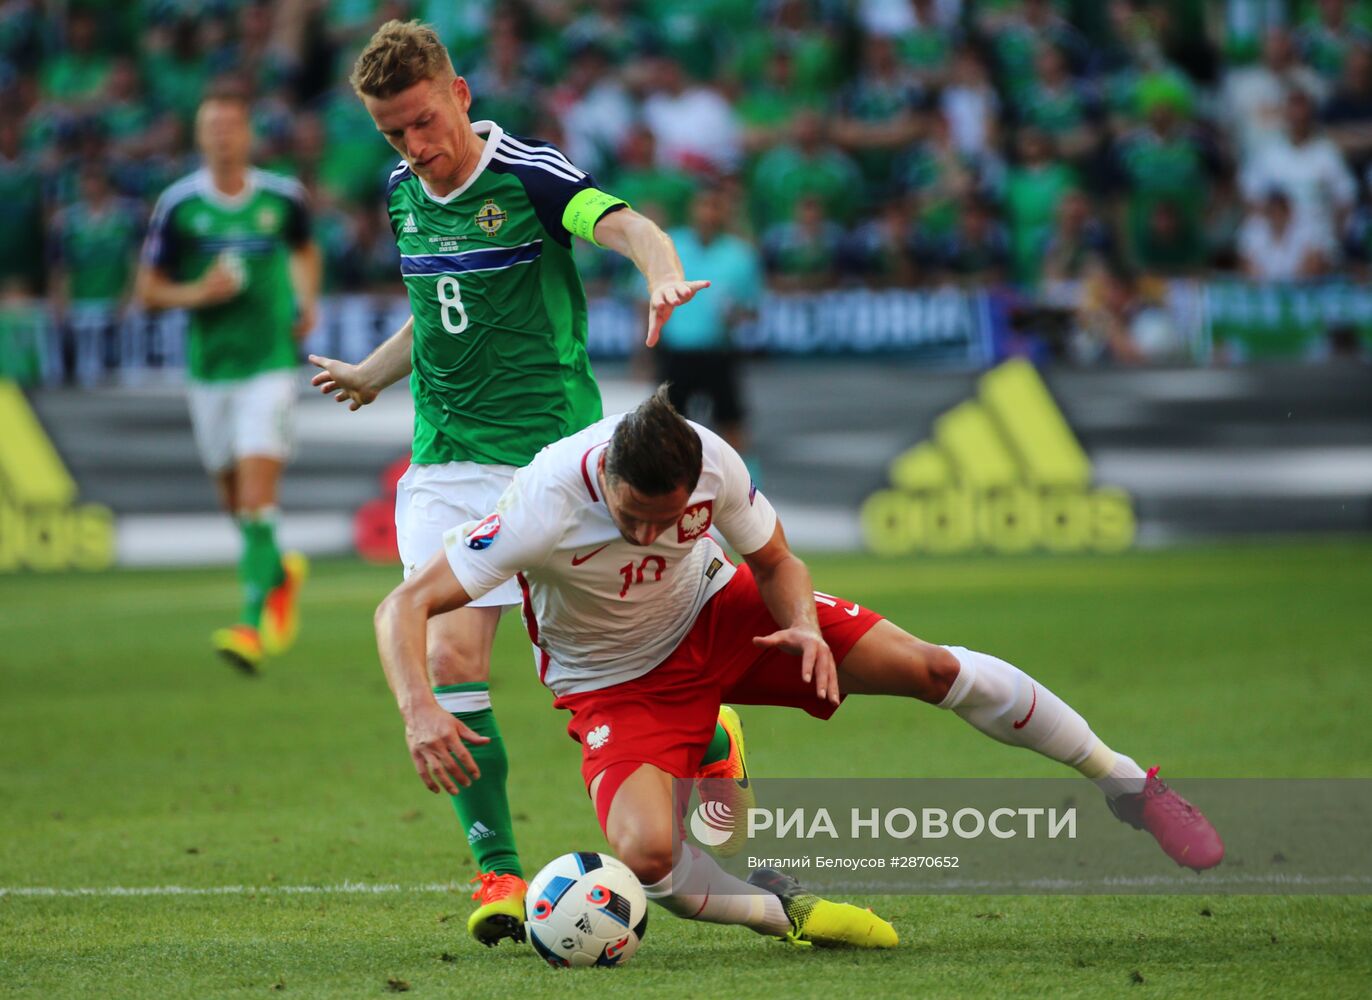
(493, 133)
(218, 198)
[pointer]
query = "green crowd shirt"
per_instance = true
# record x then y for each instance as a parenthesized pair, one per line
(96, 249)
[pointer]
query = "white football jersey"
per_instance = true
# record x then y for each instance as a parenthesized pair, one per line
(601, 609)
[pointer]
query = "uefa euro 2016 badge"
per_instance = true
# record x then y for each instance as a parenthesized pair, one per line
(490, 217)
(484, 533)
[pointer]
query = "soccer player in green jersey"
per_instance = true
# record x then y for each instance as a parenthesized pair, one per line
(496, 353)
(231, 244)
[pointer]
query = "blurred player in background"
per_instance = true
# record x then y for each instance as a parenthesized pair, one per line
(496, 353)
(232, 245)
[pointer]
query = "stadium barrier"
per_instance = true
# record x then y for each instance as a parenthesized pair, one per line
(855, 453)
(948, 327)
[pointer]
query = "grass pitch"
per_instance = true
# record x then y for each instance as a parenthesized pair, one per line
(132, 759)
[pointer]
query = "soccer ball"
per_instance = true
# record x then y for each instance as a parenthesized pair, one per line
(586, 909)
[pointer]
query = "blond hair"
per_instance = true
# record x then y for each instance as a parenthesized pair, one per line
(399, 55)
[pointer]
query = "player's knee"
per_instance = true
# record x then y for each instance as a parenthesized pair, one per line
(254, 494)
(454, 665)
(647, 853)
(941, 669)
(931, 670)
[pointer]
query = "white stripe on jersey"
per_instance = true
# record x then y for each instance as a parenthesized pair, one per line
(287, 187)
(463, 253)
(514, 147)
(175, 194)
(540, 164)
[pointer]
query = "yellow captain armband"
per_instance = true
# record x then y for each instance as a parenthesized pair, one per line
(585, 210)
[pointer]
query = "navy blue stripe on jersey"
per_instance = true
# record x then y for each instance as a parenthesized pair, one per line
(400, 174)
(247, 244)
(486, 259)
(159, 249)
(537, 149)
(549, 179)
(556, 167)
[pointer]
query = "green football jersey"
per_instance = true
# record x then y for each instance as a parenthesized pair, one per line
(254, 231)
(96, 249)
(499, 360)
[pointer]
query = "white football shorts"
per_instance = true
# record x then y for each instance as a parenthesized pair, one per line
(243, 418)
(430, 499)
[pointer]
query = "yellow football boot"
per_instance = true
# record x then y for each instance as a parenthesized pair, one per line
(501, 913)
(281, 610)
(820, 922)
(240, 646)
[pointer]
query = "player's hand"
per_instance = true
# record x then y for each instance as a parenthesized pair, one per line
(664, 299)
(217, 285)
(816, 658)
(345, 381)
(437, 747)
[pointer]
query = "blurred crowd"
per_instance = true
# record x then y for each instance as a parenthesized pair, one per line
(1080, 152)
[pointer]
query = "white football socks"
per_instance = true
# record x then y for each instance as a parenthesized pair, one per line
(1008, 705)
(698, 889)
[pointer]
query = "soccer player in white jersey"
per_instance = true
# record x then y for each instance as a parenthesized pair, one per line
(644, 627)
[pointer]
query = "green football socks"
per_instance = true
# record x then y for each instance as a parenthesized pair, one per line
(483, 808)
(259, 566)
(718, 748)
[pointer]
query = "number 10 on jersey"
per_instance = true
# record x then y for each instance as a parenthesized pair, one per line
(450, 307)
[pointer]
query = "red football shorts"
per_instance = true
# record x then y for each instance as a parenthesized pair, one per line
(667, 717)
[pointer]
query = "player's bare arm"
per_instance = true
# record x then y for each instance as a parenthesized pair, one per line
(307, 269)
(359, 384)
(436, 739)
(653, 253)
(785, 585)
(154, 290)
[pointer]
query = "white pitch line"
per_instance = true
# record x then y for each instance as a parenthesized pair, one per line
(344, 888)
(1106, 884)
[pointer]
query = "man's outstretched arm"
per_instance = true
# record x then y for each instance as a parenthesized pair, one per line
(653, 253)
(359, 384)
(435, 738)
(306, 266)
(785, 585)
